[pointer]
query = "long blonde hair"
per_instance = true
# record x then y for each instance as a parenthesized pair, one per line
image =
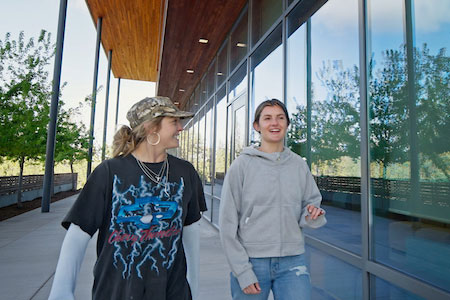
(126, 140)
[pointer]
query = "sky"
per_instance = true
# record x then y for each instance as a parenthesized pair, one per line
(31, 16)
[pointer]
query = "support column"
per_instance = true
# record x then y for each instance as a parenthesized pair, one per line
(105, 123)
(51, 134)
(94, 95)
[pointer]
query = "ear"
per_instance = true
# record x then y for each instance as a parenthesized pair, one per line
(256, 127)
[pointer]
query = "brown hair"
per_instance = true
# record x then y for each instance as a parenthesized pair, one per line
(271, 102)
(126, 139)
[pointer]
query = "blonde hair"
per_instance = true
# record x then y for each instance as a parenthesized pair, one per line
(126, 140)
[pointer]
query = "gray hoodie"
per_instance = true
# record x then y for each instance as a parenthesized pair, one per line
(263, 208)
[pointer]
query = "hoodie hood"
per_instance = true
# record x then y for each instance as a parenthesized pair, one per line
(276, 157)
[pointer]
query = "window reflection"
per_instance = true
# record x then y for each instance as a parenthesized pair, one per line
(195, 142)
(239, 41)
(201, 144)
(383, 290)
(409, 146)
(335, 137)
(210, 77)
(296, 84)
(220, 143)
(222, 63)
(238, 82)
(208, 147)
(267, 74)
(264, 14)
(331, 278)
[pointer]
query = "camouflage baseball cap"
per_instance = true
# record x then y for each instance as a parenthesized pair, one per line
(152, 107)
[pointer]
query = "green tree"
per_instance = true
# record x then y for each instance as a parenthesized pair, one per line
(25, 91)
(72, 140)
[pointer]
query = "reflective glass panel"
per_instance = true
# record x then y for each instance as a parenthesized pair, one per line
(296, 83)
(210, 79)
(190, 152)
(264, 14)
(203, 91)
(335, 131)
(332, 278)
(195, 142)
(201, 144)
(409, 139)
(238, 82)
(267, 74)
(383, 290)
(239, 41)
(220, 143)
(222, 65)
(208, 147)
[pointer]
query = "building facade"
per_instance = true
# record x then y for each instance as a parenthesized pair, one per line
(367, 86)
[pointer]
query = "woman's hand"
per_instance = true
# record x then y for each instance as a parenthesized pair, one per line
(314, 212)
(253, 288)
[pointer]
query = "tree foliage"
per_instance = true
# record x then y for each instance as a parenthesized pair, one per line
(335, 130)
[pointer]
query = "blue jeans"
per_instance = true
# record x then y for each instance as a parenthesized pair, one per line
(287, 277)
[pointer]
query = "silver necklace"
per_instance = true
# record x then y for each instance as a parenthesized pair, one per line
(149, 172)
(156, 178)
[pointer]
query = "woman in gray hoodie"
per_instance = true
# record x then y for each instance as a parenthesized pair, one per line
(268, 196)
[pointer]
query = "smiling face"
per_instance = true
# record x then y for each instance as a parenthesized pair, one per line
(272, 125)
(169, 130)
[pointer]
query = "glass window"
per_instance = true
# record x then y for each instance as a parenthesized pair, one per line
(208, 147)
(220, 135)
(195, 142)
(197, 98)
(222, 64)
(181, 144)
(210, 79)
(202, 91)
(267, 74)
(239, 41)
(383, 290)
(264, 14)
(332, 278)
(409, 146)
(296, 101)
(238, 82)
(335, 131)
(201, 144)
(190, 144)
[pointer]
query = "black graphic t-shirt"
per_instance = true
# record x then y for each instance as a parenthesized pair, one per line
(139, 249)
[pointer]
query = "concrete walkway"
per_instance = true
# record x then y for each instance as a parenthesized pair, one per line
(29, 251)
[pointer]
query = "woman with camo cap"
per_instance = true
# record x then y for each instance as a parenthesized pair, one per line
(139, 202)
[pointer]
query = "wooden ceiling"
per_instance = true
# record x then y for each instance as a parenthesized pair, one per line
(186, 23)
(134, 29)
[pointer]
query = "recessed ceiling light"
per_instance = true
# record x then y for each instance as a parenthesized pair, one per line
(181, 90)
(219, 73)
(241, 45)
(203, 41)
(190, 71)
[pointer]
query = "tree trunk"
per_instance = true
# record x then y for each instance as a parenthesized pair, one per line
(19, 189)
(73, 177)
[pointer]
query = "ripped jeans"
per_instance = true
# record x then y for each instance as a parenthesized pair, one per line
(287, 277)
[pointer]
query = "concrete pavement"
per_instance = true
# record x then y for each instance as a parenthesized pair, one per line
(30, 245)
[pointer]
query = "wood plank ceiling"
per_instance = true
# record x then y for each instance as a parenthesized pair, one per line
(186, 23)
(133, 29)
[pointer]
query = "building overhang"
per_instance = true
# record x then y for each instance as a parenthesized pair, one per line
(158, 41)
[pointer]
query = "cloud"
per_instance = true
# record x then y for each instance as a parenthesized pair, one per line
(431, 16)
(385, 15)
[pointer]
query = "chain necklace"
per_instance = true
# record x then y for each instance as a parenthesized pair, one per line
(156, 178)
